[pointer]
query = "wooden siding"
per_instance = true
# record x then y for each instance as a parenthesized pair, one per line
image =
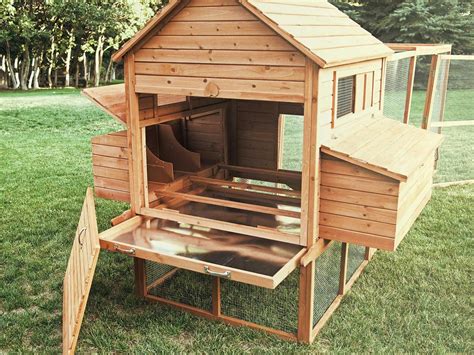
(110, 166)
(363, 207)
(219, 49)
(257, 134)
(206, 135)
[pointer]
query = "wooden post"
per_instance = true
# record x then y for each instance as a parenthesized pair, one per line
(411, 81)
(369, 253)
(310, 200)
(216, 296)
(140, 277)
(134, 137)
(343, 272)
(428, 111)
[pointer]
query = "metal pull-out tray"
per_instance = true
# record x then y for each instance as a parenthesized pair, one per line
(237, 257)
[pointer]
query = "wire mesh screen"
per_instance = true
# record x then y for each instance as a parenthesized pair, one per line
(396, 84)
(276, 308)
(326, 283)
(453, 105)
(345, 96)
(355, 257)
(187, 287)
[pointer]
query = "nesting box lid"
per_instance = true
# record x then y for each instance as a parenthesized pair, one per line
(383, 145)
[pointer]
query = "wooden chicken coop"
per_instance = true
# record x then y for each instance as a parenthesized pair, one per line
(212, 213)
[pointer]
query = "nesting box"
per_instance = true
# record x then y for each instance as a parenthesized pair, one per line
(214, 219)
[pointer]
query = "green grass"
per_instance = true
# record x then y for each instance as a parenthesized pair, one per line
(417, 299)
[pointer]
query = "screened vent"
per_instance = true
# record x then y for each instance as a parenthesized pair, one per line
(345, 96)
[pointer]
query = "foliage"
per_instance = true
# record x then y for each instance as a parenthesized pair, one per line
(419, 21)
(59, 35)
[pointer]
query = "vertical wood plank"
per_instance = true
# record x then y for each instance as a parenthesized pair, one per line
(411, 81)
(310, 200)
(428, 111)
(383, 77)
(343, 271)
(216, 296)
(140, 277)
(134, 138)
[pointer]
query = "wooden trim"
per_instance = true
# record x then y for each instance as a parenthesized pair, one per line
(453, 123)
(177, 115)
(315, 251)
(409, 94)
(365, 165)
(456, 57)
(310, 169)
(283, 174)
(140, 277)
(266, 233)
(228, 203)
(369, 253)
(431, 87)
(421, 48)
(223, 318)
(401, 55)
(343, 268)
(134, 139)
(126, 215)
(246, 186)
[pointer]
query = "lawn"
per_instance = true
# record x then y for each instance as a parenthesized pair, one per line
(417, 299)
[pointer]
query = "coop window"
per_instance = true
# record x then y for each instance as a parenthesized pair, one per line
(345, 96)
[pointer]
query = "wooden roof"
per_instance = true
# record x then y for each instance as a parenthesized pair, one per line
(383, 145)
(318, 29)
(111, 99)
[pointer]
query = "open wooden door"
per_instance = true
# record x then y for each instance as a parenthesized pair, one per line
(79, 273)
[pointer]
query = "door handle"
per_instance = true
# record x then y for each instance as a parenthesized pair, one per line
(225, 274)
(124, 251)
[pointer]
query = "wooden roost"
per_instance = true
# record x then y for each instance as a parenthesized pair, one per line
(207, 83)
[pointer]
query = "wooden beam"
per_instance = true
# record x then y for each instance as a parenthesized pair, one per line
(229, 204)
(315, 251)
(431, 87)
(343, 268)
(310, 200)
(216, 296)
(246, 186)
(134, 139)
(280, 174)
(140, 277)
(409, 93)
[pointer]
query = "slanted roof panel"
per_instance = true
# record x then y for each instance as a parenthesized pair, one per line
(383, 145)
(327, 35)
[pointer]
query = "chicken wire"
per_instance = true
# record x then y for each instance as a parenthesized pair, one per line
(277, 309)
(396, 84)
(326, 280)
(183, 286)
(355, 257)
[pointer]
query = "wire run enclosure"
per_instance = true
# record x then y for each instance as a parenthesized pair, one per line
(216, 226)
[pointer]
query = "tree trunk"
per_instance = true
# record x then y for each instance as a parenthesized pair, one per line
(76, 78)
(25, 68)
(68, 58)
(98, 59)
(86, 71)
(56, 77)
(32, 74)
(109, 70)
(10, 69)
(51, 62)
(112, 75)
